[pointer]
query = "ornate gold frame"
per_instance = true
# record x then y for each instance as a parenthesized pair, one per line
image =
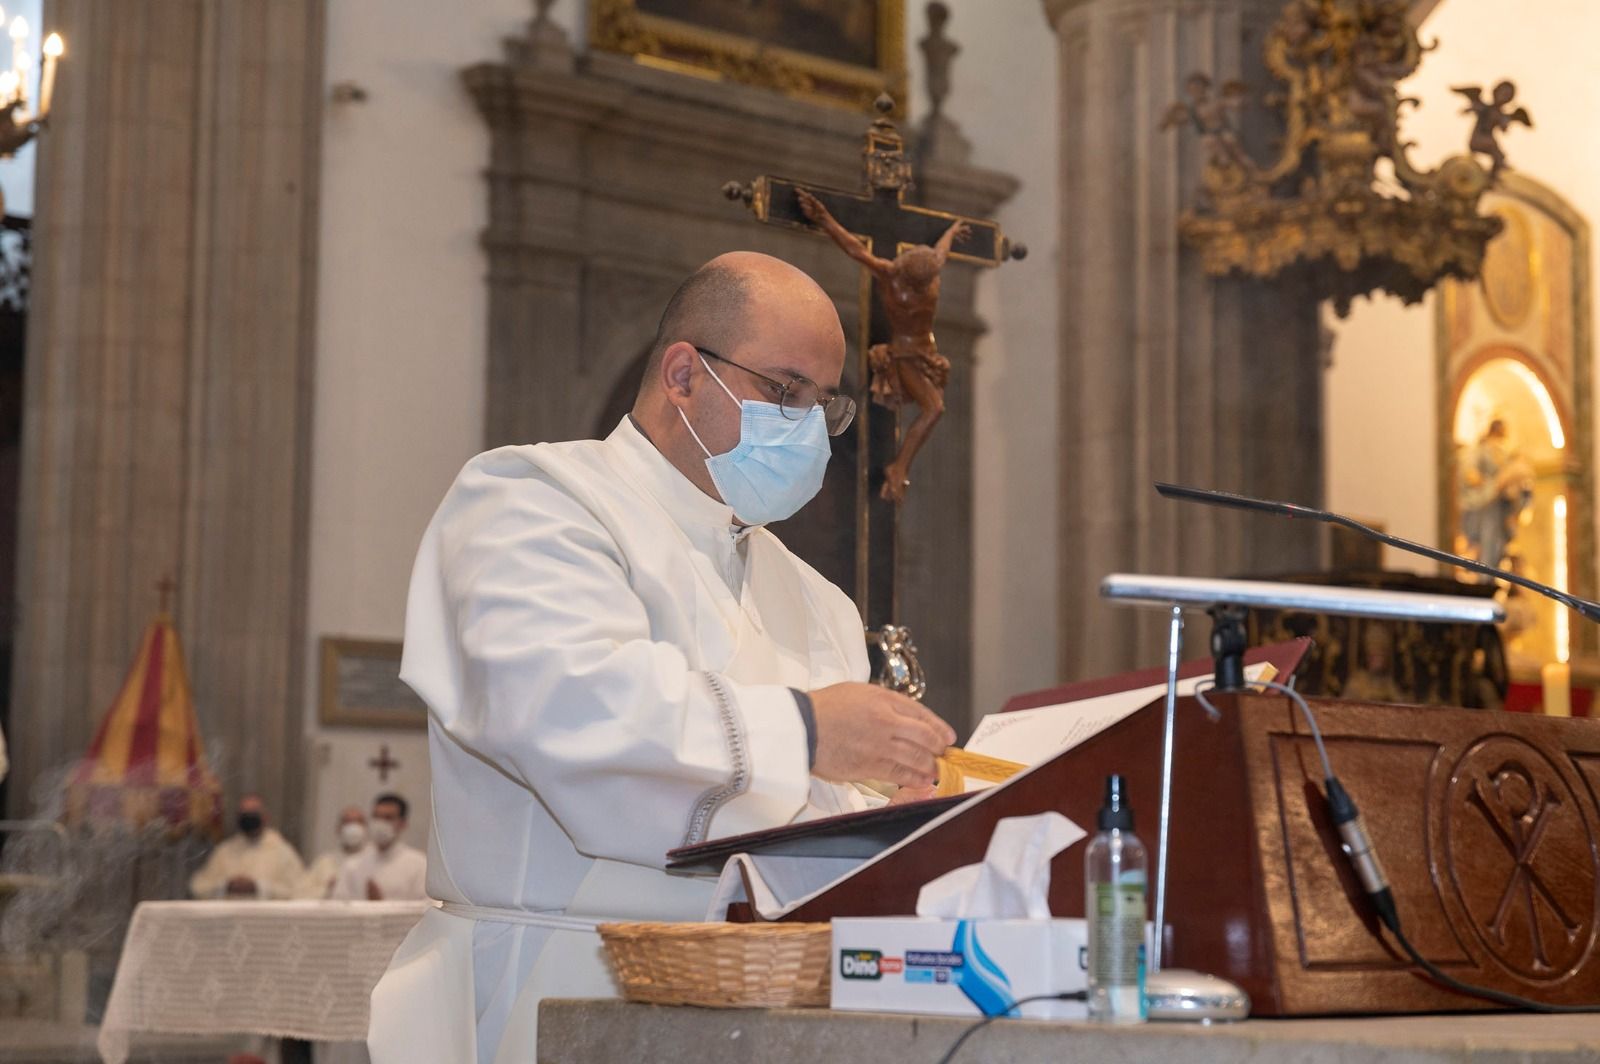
(682, 47)
(1581, 556)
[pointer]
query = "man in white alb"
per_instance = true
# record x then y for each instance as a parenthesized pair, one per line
(619, 659)
(323, 873)
(257, 862)
(387, 870)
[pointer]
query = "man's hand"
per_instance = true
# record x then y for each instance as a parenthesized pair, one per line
(869, 732)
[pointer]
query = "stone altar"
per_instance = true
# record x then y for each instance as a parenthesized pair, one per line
(582, 1031)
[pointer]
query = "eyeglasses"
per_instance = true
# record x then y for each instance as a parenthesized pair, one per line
(799, 395)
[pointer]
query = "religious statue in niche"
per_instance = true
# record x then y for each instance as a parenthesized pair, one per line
(1495, 490)
(909, 366)
(1372, 678)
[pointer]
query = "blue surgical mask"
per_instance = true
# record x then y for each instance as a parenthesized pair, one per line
(777, 465)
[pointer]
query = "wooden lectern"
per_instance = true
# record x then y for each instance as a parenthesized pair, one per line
(1487, 824)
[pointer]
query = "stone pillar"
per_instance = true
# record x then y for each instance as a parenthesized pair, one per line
(1166, 373)
(167, 407)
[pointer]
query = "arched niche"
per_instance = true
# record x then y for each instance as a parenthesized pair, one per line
(1515, 426)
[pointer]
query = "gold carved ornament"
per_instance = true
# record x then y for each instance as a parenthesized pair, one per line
(1320, 207)
(687, 48)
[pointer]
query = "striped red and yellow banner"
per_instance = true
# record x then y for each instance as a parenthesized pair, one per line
(146, 764)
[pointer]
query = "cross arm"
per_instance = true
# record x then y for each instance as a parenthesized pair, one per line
(818, 214)
(956, 230)
(885, 223)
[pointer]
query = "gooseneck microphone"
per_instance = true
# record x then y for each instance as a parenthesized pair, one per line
(1354, 841)
(1228, 499)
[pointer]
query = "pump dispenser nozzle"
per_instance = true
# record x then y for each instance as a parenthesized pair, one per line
(1115, 814)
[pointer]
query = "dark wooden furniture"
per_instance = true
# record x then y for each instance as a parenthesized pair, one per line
(1375, 659)
(1486, 822)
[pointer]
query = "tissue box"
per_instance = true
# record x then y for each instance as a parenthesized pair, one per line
(958, 967)
(953, 963)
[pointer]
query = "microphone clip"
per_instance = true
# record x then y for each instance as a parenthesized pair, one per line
(1228, 643)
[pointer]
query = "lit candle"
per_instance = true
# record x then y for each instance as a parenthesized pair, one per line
(1557, 677)
(53, 50)
(19, 49)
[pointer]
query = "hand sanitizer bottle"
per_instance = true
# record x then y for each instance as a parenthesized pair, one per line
(1114, 905)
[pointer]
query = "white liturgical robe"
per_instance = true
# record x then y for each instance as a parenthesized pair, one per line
(400, 872)
(323, 873)
(607, 659)
(269, 860)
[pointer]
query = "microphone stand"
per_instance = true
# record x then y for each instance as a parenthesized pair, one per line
(1356, 844)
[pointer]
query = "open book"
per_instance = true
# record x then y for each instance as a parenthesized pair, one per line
(1026, 737)
(782, 868)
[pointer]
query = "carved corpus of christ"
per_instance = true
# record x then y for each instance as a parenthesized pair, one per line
(909, 366)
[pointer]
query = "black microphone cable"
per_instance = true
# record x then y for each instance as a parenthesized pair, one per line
(1358, 848)
(1074, 995)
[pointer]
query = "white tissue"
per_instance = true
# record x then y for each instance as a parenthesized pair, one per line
(1012, 881)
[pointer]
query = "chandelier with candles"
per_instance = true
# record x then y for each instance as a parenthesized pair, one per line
(19, 122)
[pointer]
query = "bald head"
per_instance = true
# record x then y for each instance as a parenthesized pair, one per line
(766, 321)
(721, 303)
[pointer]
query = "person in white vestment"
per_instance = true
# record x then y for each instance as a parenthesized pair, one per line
(619, 658)
(388, 870)
(255, 863)
(323, 873)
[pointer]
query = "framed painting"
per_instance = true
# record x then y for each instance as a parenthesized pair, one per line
(360, 686)
(839, 52)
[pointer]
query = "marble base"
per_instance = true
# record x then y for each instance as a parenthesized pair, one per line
(583, 1031)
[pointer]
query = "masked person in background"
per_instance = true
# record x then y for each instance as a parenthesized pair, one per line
(620, 658)
(256, 863)
(388, 870)
(324, 871)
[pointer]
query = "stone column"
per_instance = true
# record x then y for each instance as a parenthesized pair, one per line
(167, 408)
(1166, 373)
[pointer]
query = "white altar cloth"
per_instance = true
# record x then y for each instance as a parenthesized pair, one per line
(286, 969)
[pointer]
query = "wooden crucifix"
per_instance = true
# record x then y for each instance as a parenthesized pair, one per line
(383, 763)
(888, 233)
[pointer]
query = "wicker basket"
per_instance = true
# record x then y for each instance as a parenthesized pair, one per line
(721, 965)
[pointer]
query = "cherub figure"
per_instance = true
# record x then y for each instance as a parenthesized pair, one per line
(1491, 118)
(1214, 118)
(909, 366)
